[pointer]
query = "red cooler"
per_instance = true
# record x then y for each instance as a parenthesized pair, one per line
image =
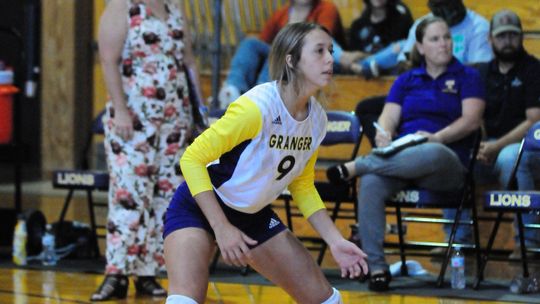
(7, 90)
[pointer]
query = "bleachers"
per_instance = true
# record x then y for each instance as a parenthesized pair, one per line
(246, 17)
(239, 18)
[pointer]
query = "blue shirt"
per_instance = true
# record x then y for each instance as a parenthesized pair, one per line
(430, 105)
(470, 38)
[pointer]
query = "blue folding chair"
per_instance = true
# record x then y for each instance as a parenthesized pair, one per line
(422, 198)
(512, 200)
(343, 129)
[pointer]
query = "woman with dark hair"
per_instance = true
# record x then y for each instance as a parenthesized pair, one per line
(442, 100)
(266, 141)
(376, 38)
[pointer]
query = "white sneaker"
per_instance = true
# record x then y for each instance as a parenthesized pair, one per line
(414, 268)
(227, 94)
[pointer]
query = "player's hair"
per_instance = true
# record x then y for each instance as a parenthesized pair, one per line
(289, 41)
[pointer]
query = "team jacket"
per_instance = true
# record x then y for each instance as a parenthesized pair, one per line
(255, 151)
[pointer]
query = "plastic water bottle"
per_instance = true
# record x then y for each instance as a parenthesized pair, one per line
(457, 263)
(521, 285)
(19, 242)
(49, 257)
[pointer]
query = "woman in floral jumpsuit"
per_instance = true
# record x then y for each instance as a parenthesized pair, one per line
(146, 57)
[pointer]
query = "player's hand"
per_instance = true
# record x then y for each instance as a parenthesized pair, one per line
(233, 244)
(123, 124)
(350, 258)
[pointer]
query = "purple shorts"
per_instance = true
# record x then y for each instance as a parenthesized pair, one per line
(183, 212)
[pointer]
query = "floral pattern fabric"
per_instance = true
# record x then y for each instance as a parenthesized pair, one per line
(142, 173)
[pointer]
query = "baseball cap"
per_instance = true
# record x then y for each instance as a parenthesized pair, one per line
(505, 21)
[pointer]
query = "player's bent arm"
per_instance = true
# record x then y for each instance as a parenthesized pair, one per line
(241, 122)
(233, 243)
(210, 207)
(311, 205)
(322, 223)
(350, 258)
(304, 192)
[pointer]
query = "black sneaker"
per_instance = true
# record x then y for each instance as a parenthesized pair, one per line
(380, 281)
(338, 175)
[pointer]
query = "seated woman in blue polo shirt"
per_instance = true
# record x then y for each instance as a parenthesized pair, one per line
(439, 98)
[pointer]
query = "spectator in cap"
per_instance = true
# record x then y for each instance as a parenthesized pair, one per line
(512, 82)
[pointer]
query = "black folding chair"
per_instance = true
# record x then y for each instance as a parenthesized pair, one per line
(84, 179)
(512, 200)
(422, 198)
(343, 130)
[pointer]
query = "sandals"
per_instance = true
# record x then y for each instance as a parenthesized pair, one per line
(113, 287)
(380, 281)
(116, 287)
(149, 286)
(377, 282)
(338, 175)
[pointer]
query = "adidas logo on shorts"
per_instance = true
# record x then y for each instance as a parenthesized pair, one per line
(277, 121)
(273, 223)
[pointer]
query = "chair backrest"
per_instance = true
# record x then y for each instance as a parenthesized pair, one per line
(531, 142)
(343, 128)
(80, 179)
(341, 144)
(532, 139)
(510, 199)
(505, 200)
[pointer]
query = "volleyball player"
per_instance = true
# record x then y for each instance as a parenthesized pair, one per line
(266, 141)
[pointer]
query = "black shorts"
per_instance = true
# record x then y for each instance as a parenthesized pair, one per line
(183, 212)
